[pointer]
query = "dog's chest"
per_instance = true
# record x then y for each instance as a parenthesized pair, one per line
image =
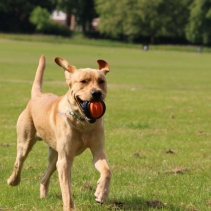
(83, 143)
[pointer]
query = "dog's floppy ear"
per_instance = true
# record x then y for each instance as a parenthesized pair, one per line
(63, 63)
(103, 65)
(68, 69)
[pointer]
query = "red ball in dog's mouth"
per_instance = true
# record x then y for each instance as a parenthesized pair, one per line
(92, 110)
(96, 109)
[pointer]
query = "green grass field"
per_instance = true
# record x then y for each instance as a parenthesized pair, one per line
(157, 125)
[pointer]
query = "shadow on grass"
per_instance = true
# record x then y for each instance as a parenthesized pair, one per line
(133, 203)
(136, 203)
(130, 202)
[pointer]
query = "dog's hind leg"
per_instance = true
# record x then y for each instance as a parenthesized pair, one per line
(52, 159)
(25, 141)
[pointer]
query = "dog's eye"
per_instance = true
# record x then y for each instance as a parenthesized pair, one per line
(83, 81)
(101, 81)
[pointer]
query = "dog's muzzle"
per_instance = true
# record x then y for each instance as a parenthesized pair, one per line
(93, 110)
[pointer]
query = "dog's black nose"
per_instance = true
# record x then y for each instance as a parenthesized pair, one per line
(96, 94)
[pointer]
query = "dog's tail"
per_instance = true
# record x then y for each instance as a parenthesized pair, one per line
(37, 85)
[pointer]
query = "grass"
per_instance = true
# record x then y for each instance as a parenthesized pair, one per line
(79, 39)
(157, 126)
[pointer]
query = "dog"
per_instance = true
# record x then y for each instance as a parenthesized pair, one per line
(63, 124)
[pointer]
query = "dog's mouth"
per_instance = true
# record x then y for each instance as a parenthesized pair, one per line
(83, 105)
(92, 110)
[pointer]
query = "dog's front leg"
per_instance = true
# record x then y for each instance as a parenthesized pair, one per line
(100, 163)
(64, 164)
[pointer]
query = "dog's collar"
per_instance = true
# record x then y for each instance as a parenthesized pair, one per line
(70, 111)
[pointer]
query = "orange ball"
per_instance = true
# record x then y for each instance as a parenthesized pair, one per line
(96, 109)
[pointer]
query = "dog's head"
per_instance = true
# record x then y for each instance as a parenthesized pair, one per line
(86, 85)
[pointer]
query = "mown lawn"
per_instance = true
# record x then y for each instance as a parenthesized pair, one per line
(157, 124)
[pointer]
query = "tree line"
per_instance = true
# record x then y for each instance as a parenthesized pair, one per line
(146, 21)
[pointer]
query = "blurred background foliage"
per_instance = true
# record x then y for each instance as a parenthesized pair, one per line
(134, 21)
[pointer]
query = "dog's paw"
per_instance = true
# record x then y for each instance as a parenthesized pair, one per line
(13, 181)
(100, 198)
(102, 191)
(43, 191)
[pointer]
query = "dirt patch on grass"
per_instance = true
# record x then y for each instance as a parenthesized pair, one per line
(86, 186)
(177, 170)
(136, 154)
(170, 151)
(202, 133)
(155, 204)
(189, 207)
(117, 205)
(4, 145)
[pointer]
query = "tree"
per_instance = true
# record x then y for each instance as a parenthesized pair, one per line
(14, 14)
(135, 18)
(198, 29)
(113, 16)
(147, 19)
(40, 17)
(83, 10)
(163, 18)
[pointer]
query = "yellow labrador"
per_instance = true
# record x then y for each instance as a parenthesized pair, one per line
(66, 127)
